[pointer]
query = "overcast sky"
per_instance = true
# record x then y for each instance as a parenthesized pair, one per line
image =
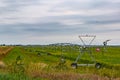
(53, 21)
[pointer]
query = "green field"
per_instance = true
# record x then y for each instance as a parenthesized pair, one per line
(44, 63)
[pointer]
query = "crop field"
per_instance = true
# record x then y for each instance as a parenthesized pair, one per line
(53, 62)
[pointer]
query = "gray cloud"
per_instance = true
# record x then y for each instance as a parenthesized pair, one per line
(12, 6)
(41, 18)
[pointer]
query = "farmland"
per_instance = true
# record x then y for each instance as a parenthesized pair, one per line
(44, 63)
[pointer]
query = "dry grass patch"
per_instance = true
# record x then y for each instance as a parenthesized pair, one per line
(68, 76)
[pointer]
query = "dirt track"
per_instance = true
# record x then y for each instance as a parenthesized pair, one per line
(4, 51)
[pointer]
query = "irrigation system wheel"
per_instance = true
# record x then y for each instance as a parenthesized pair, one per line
(74, 65)
(98, 65)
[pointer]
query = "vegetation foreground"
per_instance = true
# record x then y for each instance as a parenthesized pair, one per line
(54, 63)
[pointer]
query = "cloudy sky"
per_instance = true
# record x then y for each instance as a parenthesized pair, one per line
(53, 21)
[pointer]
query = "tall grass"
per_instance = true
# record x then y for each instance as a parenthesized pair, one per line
(17, 76)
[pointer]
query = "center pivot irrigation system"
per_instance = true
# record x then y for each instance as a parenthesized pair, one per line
(86, 48)
(105, 44)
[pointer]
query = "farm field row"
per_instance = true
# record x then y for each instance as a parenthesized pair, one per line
(4, 50)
